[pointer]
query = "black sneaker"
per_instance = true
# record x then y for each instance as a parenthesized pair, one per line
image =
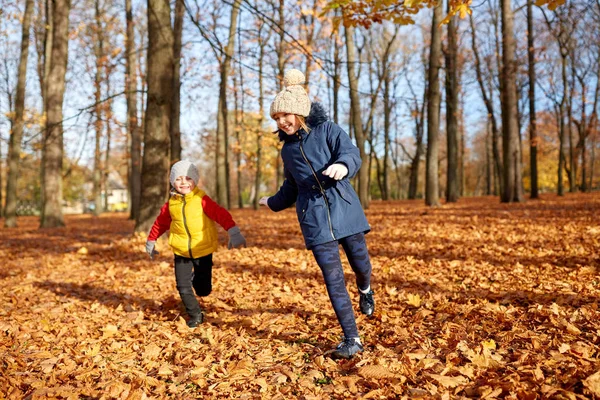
(195, 320)
(367, 303)
(347, 348)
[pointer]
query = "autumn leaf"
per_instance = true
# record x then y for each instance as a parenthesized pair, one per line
(414, 300)
(450, 381)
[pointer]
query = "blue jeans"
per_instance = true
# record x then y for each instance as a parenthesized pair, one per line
(193, 274)
(327, 256)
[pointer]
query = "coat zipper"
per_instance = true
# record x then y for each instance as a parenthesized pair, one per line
(320, 188)
(187, 230)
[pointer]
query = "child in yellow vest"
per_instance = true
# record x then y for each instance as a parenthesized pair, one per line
(190, 217)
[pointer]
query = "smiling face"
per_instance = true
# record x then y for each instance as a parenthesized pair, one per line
(184, 184)
(288, 123)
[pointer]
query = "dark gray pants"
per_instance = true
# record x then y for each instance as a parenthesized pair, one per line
(193, 274)
(328, 258)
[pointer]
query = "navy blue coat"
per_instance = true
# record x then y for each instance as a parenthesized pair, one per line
(327, 209)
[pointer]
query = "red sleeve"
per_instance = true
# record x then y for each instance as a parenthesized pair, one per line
(161, 224)
(217, 213)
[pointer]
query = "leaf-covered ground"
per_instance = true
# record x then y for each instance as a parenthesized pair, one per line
(476, 299)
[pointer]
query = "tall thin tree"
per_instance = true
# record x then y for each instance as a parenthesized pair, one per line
(98, 38)
(452, 133)
(16, 135)
(155, 166)
(176, 102)
(52, 142)
(533, 139)
(133, 129)
(222, 153)
(433, 110)
(508, 93)
(363, 174)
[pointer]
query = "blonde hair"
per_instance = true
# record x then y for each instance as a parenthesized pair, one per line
(302, 121)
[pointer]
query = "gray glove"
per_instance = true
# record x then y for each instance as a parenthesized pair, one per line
(150, 248)
(236, 239)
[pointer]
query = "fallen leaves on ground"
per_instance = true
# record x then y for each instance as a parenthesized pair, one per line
(474, 299)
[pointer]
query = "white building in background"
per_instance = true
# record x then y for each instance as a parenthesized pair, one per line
(117, 198)
(113, 198)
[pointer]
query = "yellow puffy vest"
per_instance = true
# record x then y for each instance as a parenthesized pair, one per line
(192, 233)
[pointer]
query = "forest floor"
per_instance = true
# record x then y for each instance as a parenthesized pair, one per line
(473, 300)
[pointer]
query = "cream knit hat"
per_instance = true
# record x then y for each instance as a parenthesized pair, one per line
(293, 98)
(184, 168)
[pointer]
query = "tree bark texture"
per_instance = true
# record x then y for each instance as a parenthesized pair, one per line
(176, 102)
(133, 129)
(52, 146)
(98, 108)
(508, 94)
(155, 166)
(452, 134)
(433, 111)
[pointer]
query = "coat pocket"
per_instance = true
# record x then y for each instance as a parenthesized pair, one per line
(301, 209)
(343, 194)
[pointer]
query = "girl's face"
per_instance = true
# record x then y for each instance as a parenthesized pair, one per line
(184, 184)
(288, 123)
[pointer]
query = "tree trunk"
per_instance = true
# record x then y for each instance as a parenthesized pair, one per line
(259, 133)
(16, 136)
(155, 165)
(52, 150)
(133, 130)
(452, 134)
(281, 53)
(488, 161)
(337, 62)
(533, 139)
(108, 113)
(176, 102)
(222, 153)
(508, 93)
(490, 110)
(561, 149)
(433, 111)
(44, 79)
(387, 111)
(419, 116)
(238, 113)
(572, 171)
(98, 125)
(363, 174)
(591, 127)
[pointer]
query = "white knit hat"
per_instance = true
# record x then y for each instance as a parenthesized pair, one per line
(293, 99)
(184, 168)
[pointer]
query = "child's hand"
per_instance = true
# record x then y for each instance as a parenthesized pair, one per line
(264, 201)
(336, 171)
(236, 239)
(150, 248)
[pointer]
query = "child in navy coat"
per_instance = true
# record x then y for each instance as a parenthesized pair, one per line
(319, 158)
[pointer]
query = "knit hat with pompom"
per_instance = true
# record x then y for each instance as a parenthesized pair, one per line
(184, 168)
(293, 99)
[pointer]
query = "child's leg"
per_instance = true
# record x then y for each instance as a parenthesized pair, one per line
(355, 248)
(328, 258)
(202, 281)
(184, 275)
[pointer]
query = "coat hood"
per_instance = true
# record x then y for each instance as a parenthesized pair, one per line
(317, 116)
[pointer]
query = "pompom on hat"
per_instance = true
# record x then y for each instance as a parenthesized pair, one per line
(293, 99)
(184, 168)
